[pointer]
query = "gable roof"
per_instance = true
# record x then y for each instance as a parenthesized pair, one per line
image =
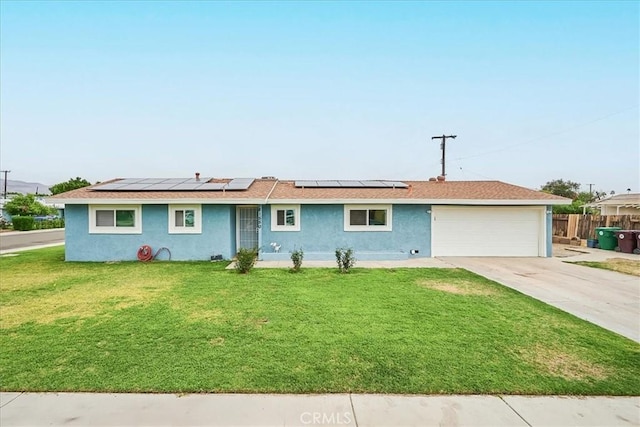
(631, 200)
(271, 191)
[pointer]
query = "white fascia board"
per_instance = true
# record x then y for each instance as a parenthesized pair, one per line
(161, 201)
(479, 202)
(261, 201)
(497, 202)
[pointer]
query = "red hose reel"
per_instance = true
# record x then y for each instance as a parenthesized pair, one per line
(145, 253)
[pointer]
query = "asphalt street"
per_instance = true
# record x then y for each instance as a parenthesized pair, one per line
(25, 239)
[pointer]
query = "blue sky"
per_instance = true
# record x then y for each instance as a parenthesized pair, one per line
(535, 91)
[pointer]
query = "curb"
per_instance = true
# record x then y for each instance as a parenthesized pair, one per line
(17, 233)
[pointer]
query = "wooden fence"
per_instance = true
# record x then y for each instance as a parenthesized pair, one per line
(583, 226)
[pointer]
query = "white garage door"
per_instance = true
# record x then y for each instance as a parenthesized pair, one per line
(488, 231)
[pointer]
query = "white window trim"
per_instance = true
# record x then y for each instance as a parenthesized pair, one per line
(136, 229)
(274, 218)
(349, 227)
(197, 218)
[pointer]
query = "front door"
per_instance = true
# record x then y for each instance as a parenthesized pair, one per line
(247, 226)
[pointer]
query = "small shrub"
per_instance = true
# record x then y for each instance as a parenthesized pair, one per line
(345, 259)
(245, 260)
(46, 224)
(296, 257)
(23, 223)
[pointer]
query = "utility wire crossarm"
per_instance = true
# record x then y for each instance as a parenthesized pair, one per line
(443, 146)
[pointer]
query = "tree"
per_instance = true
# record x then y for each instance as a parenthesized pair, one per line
(585, 197)
(27, 205)
(577, 206)
(560, 187)
(72, 184)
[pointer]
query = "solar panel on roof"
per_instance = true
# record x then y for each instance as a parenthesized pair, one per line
(239, 184)
(174, 180)
(397, 184)
(329, 184)
(175, 184)
(134, 187)
(186, 186)
(351, 184)
(159, 187)
(194, 180)
(211, 186)
(152, 180)
(306, 184)
(111, 186)
(127, 181)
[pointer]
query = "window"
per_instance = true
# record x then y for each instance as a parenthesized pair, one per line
(185, 219)
(285, 218)
(115, 219)
(367, 218)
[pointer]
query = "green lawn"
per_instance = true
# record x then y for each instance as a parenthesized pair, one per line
(621, 265)
(195, 327)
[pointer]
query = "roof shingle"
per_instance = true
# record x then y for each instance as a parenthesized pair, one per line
(423, 190)
(274, 191)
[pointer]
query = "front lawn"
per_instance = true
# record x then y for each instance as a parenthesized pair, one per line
(195, 327)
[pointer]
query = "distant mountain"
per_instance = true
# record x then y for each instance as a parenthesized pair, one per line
(24, 187)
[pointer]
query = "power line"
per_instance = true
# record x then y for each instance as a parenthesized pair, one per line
(465, 170)
(508, 147)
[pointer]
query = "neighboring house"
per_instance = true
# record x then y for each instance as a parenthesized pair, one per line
(381, 220)
(4, 214)
(620, 204)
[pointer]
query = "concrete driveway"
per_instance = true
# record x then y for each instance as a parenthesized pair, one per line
(606, 298)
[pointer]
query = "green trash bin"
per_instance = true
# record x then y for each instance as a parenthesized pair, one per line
(607, 237)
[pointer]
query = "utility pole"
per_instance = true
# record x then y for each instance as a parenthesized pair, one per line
(443, 147)
(590, 187)
(4, 194)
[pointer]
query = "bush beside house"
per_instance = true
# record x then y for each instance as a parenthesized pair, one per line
(23, 223)
(27, 213)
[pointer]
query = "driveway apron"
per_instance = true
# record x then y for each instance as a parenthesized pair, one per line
(605, 298)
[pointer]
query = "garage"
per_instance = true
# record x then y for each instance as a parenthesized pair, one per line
(501, 231)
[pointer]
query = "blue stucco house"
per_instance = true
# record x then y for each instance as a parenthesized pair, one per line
(200, 218)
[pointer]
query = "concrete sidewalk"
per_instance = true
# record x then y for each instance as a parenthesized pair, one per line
(89, 409)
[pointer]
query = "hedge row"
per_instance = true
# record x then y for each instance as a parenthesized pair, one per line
(26, 223)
